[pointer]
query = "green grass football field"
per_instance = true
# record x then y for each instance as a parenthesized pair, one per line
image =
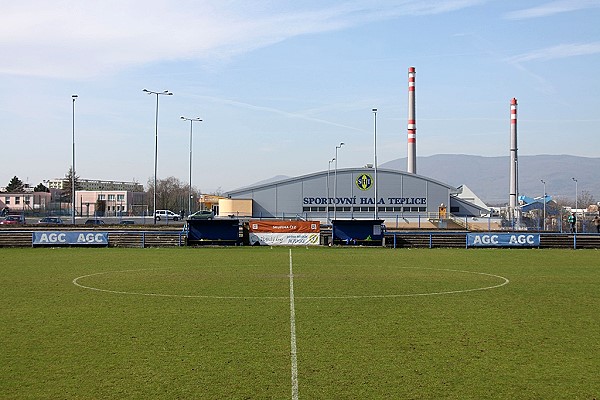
(305, 323)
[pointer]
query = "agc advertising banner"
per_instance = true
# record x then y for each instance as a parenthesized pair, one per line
(503, 239)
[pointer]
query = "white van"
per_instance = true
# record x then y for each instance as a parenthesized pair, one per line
(166, 215)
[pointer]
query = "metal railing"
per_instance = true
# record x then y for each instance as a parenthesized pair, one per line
(441, 239)
(116, 238)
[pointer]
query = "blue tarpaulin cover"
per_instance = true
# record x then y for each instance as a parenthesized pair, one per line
(213, 229)
(358, 229)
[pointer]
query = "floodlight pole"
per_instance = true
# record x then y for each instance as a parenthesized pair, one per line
(335, 180)
(73, 169)
(576, 192)
(544, 215)
(166, 93)
(328, 170)
(375, 156)
(192, 120)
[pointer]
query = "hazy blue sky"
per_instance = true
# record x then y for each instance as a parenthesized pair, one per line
(280, 83)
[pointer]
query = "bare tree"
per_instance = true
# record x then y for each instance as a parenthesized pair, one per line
(171, 194)
(557, 210)
(585, 199)
(218, 191)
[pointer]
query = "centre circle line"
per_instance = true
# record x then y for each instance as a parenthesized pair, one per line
(504, 282)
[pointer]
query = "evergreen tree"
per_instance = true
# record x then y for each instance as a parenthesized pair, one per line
(41, 188)
(67, 191)
(15, 185)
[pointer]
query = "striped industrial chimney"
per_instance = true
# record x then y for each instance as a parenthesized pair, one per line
(412, 124)
(514, 164)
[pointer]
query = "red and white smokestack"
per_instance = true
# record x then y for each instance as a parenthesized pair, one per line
(412, 124)
(514, 164)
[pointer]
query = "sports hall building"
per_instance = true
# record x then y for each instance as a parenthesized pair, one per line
(352, 193)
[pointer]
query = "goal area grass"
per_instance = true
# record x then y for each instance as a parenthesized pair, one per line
(366, 323)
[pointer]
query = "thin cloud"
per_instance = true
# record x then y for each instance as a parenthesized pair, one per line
(557, 52)
(70, 39)
(272, 110)
(553, 8)
(487, 47)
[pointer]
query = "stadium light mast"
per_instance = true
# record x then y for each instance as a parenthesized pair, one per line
(328, 171)
(166, 93)
(192, 120)
(544, 215)
(375, 155)
(576, 192)
(73, 169)
(335, 180)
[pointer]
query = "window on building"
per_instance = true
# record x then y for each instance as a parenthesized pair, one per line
(17, 200)
(313, 209)
(7, 200)
(27, 200)
(120, 197)
(101, 197)
(111, 197)
(415, 209)
(390, 209)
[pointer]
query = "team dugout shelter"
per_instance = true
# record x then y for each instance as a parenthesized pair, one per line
(349, 194)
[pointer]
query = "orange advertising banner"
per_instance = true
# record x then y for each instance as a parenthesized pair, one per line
(274, 226)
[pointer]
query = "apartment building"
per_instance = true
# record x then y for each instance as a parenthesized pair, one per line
(25, 202)
(110, 203)
(96, 184)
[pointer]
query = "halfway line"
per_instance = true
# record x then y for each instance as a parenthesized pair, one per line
(294, 357)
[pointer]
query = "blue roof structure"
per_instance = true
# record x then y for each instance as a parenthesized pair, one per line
(537, 203)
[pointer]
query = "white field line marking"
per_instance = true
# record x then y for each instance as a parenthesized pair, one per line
(504, 282)
(293, 352)
(76, 283)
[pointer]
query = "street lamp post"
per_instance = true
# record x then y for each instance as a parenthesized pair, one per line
(576, 192)
(166, 93)
(335, 180)
(73, 169)
(375, 155)
(544, 215)
(192, 120)
(328, 170)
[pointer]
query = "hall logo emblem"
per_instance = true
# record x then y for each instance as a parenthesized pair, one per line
(364, 182)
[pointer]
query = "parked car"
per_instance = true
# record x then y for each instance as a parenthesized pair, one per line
(94, 222)
(202, 214)
(13, 220)
(51, 221)
(166, 214)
